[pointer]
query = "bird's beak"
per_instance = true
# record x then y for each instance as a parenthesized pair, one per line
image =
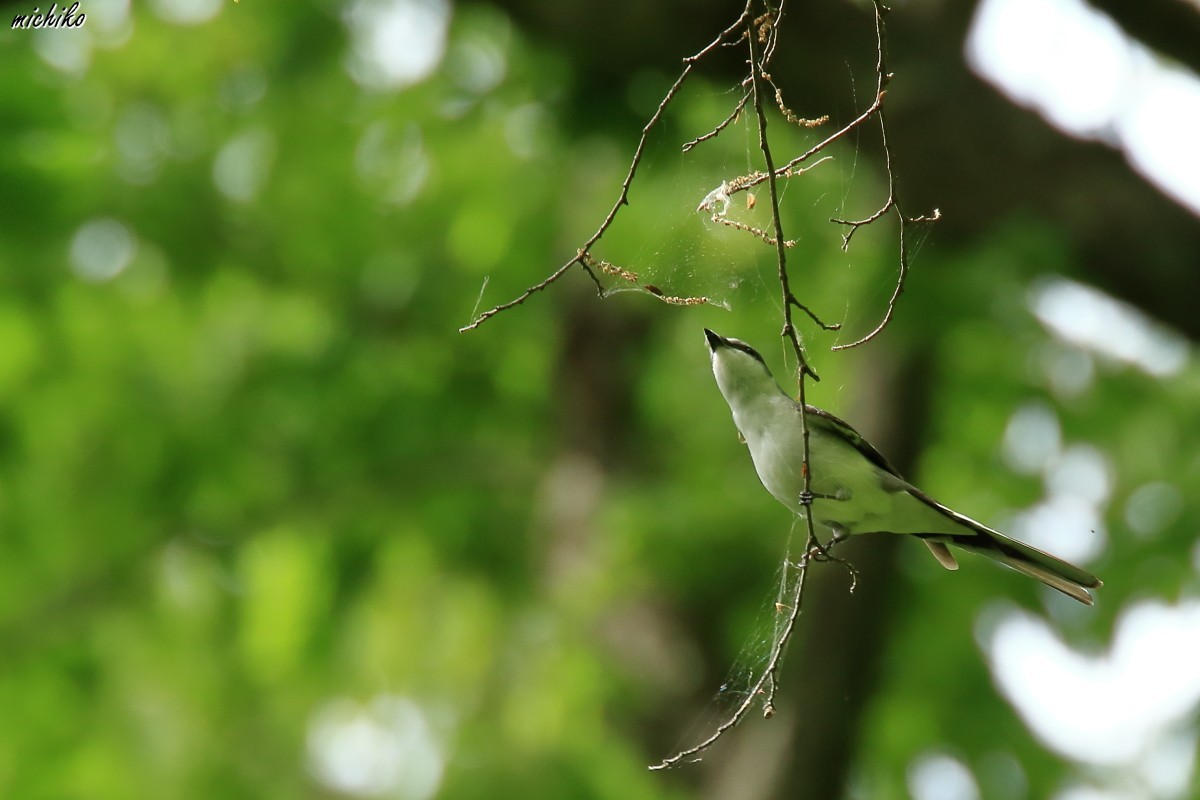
(714, 341)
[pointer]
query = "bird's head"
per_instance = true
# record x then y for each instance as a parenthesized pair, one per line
(740, 371)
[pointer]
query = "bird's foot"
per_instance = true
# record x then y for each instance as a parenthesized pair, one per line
(821, 552)
(807, 497)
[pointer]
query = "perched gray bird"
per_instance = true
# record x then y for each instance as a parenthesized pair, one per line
(854, 489)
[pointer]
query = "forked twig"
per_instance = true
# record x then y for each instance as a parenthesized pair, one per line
(722, 125)
(883, 77)
(593, 265)
(758, 68)
(623, 198)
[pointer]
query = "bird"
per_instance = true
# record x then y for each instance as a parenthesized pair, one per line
(852, 487)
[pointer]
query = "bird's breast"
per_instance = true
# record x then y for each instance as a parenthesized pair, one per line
(848, 489)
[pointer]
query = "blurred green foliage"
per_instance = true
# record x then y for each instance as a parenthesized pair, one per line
(251, 477)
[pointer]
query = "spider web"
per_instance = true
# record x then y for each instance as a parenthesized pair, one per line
(763, 632)
(683, 236)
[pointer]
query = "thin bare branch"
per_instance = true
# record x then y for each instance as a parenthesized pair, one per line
(789, 329)
(789, 169)
(883, 77)
(901, 276)
(722, 125)
(737, 27)
(519, 299)
(593, 265)
(764, 687)
(858, 223)
(623, 197)
(830, 326)
(757, 232)
(717, 201)
(788, 114)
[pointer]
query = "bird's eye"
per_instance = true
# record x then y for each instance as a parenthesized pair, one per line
(747, 349)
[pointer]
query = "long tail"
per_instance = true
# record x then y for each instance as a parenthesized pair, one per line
(1037, 564)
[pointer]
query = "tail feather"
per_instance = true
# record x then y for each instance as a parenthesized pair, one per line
(1037, 564)
(942, 554)
(1053, 572)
